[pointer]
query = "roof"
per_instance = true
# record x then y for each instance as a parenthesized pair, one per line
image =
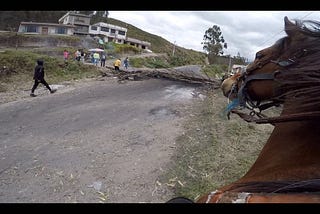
(73, 14)
(47, 24)
(235, 66)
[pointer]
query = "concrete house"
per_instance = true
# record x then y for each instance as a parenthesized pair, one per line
(80, 21)
(109, 32)
(138, 43)
(45, 28)
(74, 23)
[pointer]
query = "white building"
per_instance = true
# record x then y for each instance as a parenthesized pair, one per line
(81, 21)
(45, 28)
(236, 68)
(109, 32)
(74, 23)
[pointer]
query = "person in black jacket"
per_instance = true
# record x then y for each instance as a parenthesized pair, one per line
(39, 78)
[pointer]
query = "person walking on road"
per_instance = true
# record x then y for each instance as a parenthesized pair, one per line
(39, 78)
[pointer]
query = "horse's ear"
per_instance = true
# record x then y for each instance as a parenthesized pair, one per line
(289, 27)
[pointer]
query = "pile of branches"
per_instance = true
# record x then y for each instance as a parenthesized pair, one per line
(167, 73)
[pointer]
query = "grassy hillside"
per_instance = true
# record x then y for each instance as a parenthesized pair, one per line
(158, 44)
(10, 20)
(51, 48)
(16, 69)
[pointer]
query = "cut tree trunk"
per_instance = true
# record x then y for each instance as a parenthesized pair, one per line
(190, 73)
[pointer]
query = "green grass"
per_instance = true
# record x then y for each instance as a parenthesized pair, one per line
(21, 63)
(213, 151)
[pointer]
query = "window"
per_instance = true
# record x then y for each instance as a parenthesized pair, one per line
(122, 32)
(105, 29)
(94, 28)
(82, 29)
(61, 30)
(113, 31)
(31, 28)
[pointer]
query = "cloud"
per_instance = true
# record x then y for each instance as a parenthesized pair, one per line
(245, 32)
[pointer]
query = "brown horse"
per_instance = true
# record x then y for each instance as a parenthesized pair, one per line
(287, 73)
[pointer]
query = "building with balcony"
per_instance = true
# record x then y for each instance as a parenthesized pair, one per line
(80, 21)
(138, 43)
(73, 23)
(109, 32)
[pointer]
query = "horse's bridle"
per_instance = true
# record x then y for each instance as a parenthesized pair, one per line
(245, 100)
(243, 96)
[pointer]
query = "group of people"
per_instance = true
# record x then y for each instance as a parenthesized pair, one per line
(97, 58)
(79, 55)
(117, 63)
(38, 76)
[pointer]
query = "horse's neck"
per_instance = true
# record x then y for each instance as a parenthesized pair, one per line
(291, 153)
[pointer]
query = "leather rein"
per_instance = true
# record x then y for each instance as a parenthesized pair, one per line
(256, 107)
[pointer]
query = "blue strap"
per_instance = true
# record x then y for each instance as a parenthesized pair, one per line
(232, 105)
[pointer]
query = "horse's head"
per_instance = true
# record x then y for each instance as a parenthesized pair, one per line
(267, 77)
(287, 73)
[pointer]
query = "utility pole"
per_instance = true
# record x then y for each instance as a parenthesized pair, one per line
(229, 66)
(174, 48)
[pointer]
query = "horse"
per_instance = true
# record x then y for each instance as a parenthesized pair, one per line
(287, 75)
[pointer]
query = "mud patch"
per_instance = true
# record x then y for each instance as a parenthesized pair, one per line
(176, 92)
(164, 111)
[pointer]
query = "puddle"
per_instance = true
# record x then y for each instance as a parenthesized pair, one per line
(57, 86)
(177, 92)
(163, 111)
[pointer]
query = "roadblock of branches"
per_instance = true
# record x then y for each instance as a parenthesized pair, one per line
(177, 74)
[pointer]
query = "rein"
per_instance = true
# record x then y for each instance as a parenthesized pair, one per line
(313, 115)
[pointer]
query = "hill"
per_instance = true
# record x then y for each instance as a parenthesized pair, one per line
(20, 51)
(10, 20)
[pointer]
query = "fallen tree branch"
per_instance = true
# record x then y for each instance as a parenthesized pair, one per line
(169, 73)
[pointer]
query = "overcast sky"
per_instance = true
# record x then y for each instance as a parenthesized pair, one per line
(245, 32)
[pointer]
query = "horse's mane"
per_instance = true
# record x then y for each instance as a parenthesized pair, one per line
(299, 83)
(312, 185)
(309, 27)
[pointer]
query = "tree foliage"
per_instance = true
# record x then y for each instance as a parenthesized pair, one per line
(213, 41)
(240, 60)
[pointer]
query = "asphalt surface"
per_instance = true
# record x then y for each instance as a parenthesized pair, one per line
(100, 142)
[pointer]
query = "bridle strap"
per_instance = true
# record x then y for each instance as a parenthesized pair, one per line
(246, 101)
(313, 115)
(242, 93)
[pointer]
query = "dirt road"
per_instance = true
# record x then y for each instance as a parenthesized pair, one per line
(98, 141)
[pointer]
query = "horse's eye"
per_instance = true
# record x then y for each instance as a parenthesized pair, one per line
(259, 55)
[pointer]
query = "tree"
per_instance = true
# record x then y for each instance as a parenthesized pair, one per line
(213, 41)
(239, 59)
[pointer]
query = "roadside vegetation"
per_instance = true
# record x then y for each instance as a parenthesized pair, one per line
(213, 151)
(17, 68)
(17, 63)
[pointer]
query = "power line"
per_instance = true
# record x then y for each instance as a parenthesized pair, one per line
(306, 15)
(282, 30)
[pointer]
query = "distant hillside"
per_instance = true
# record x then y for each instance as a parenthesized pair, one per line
(10, 20)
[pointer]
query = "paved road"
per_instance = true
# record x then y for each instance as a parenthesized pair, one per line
(102, 142)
